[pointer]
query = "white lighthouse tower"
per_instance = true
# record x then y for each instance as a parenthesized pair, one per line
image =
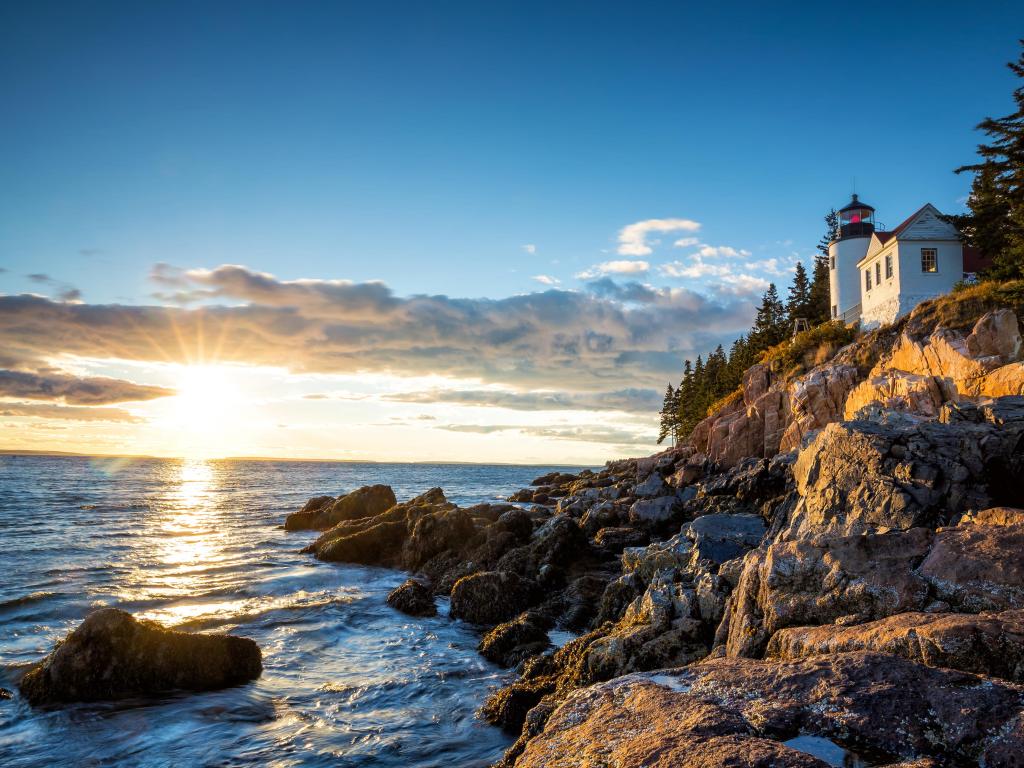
(856, 225)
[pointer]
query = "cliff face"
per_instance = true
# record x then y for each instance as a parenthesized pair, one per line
(847, 531)
(917, 371)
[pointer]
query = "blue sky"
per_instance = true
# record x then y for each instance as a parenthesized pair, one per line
(465, 150)
(423, 144)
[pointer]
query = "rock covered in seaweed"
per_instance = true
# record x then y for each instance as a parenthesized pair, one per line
(413, 598)
(112, 655)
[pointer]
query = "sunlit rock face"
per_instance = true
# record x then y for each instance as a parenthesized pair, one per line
(738, 712)
(112, 655)
(990, 644)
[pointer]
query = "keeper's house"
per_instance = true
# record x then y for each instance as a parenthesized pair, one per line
(877, 276)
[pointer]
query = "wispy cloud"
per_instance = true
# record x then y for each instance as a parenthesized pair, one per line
(686, 242)
(546, 280)
(67, 412)
(632, 400)
(606, 435)
(722, 251)
(633, 238)
(618, 267)
(530, 248)
(87, 390)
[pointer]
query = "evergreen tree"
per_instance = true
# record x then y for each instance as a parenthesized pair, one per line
(770, 324)
(798, 304)
(820, 309)
(669, 415)
(996, 220)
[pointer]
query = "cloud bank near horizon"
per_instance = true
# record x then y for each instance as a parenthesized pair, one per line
(607, 338)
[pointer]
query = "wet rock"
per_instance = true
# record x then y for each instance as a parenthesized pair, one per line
(436, 532)
(989, 644)
(306, 518)
(735, 712)
(511, 642)
(5, 694)
(491, 597)
(112, 655)
(558, 541)
(322, 512)
(378, 544)
(413, 598)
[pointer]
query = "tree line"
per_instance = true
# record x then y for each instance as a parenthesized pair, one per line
(705, 382)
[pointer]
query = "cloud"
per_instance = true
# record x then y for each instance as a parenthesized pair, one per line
(40, 277)
(771, 266)
(89, 390)
(618, 267)
(546, 280)
(633, 237)
(695, 269)
(530, 248)
(742, 285)
(606, 338)
(633, 400)
(68, 412)
(612, 435)
(686, 242)
(721, 251)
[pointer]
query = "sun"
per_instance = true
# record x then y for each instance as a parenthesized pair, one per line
(208, 401)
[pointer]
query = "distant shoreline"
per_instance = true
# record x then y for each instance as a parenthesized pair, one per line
(74, 455)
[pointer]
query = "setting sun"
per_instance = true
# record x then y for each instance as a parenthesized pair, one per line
(206, 408)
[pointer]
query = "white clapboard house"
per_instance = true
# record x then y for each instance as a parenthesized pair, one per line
(877, 276)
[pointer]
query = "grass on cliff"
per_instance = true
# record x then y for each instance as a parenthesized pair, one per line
(961, 309)
(808, 349)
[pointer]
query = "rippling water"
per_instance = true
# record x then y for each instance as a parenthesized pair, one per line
(347, 681)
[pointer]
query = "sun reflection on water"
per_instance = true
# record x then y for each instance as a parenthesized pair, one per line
(189, 541)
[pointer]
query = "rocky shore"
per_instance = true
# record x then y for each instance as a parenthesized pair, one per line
(834, 559)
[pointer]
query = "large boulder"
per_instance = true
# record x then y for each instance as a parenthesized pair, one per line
(322, 512)
(741, 712)
(112, 655)
(990, 644)
(377, 544)
(813, 582)
(491, 597)
(867, 477)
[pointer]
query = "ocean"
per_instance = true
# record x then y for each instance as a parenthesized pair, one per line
(197, 545)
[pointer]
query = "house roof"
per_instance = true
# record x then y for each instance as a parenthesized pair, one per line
(907, 221)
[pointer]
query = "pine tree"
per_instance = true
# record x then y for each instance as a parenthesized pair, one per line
(770, 324)
(820, 310)
(798, 304)
(996, 221)
(669, 417)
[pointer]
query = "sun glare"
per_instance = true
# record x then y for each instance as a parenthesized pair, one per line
(206, 407)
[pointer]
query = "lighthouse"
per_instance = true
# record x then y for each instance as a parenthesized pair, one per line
(856, 225)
